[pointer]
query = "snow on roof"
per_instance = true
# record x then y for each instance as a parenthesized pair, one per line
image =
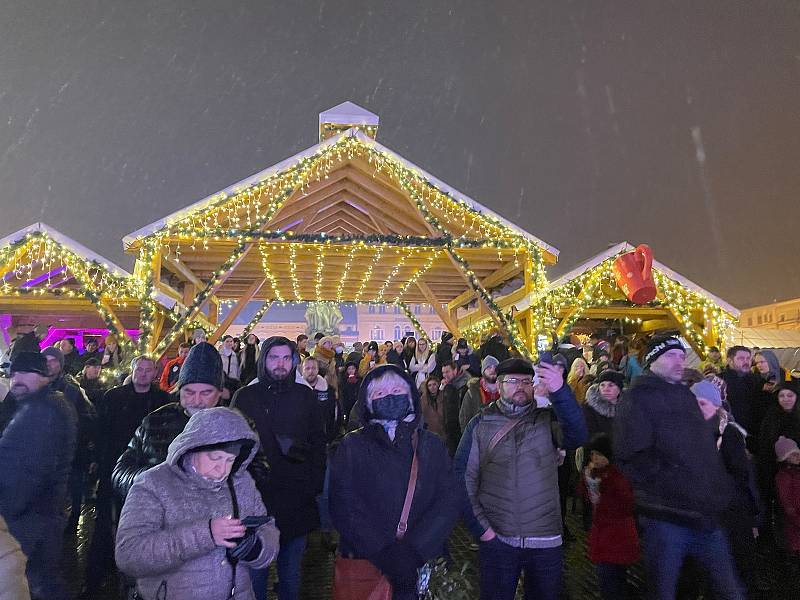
(348, 113)
(68, 243)
(343, 111)
(626, 247)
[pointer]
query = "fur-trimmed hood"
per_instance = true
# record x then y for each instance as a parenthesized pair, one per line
(600, 405)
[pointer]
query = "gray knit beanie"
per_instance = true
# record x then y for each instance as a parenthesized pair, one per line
(489, 361)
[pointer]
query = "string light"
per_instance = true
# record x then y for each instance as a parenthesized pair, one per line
(293, 272)
(368, 273)
(259, 314)
(273, 282)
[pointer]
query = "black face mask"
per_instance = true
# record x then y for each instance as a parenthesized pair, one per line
(393, 407)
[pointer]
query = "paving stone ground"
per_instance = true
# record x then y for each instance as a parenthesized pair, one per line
(579, 579)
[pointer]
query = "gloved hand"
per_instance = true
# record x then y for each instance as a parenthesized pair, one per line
(248, 548)
(399, 561)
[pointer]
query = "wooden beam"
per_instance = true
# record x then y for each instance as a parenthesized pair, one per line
(158, 327)
(469, 285)
(112, 316)
(182, 269)
(169, 291)
(499, 276)
(235, 310)
(451, 324)
(656, 324)
(189, 292)
(213, 312)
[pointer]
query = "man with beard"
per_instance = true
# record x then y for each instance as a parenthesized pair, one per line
(36, 451)
(743, 393)
(199, 387)
(666, 449)
(308, 375)
(87, 417)
(289, 426)
(481, 391)
(508, 461)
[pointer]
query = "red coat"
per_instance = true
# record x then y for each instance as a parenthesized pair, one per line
(787, 482)
(613, 538)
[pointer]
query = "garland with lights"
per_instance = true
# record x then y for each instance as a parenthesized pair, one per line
(259, 314)
(96, 283)
(509, 325)
(587, 290)
(414, 321)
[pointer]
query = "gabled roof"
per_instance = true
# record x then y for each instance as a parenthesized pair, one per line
(67, 242)
(626, 247)
(345, 112)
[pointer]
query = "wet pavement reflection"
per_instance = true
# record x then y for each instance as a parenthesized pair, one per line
(778, 580)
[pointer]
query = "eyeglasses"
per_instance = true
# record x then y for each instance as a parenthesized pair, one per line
(517, 381)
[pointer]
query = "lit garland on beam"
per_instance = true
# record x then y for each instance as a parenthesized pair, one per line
(259, 314)
(588, 290)
(392, 275)
(318, 272)
(367, 274)
(200, 299)
(414, 321)
(417, 274)
(347, 265)
(508, 324)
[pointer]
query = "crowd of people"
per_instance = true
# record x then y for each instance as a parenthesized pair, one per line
(206, 468)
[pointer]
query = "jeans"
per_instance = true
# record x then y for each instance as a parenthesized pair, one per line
(501, 566)
(666, 545)
(611, 579)
(290, 557)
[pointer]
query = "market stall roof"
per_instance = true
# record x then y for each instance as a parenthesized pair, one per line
(346, 220)
(345, 113)
(626, 247)
(66, 242)
(48, 276)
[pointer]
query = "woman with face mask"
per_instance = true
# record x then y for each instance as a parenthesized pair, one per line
(371, 473)
(181, 534)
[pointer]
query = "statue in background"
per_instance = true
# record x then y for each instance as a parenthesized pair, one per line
(323, 317)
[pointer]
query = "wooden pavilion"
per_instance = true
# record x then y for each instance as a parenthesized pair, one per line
(346, 220)
(588, 297)
(53, 280)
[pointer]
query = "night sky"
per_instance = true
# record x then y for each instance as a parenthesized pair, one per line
(588, 123)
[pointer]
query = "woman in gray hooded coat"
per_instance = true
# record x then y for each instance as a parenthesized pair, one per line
(180, 533)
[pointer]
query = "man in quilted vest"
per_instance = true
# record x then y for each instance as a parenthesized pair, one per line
(508, 461)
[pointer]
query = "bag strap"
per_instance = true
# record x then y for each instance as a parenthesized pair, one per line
(402, 526)
(501, 433)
